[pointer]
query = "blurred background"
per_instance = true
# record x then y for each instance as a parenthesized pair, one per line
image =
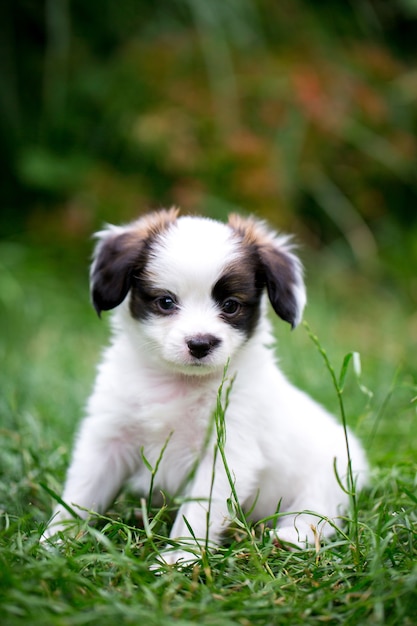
(302, 112)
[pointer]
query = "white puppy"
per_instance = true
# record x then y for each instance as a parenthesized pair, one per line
(189, 296)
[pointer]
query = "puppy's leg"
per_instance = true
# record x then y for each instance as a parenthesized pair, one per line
(201, 518)
(315, 516)
(99, 467)
(322, 501)
(302, 531)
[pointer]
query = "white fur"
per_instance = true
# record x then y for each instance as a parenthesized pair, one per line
(280, 444)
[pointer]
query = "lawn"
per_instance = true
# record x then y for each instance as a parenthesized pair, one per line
(50, 342)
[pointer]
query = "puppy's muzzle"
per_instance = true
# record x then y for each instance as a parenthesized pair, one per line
(201, 345)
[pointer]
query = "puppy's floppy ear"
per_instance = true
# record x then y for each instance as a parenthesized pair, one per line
(119, 253)
(280, 270)
(284, 281)
(114, 260)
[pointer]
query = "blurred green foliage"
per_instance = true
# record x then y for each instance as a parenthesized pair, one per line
(302, 112)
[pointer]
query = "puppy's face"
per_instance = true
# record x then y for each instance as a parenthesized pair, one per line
(194, 286)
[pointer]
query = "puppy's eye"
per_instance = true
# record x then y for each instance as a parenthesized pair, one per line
(231, 307)
(166, 304)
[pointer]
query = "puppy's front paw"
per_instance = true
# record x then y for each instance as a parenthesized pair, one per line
(292, 538)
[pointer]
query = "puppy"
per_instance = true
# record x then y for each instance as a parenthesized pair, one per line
(189, 295)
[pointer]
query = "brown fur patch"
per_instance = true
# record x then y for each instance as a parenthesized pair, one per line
(242, 281)
(251, 231)
(280, 270)
(153, 224)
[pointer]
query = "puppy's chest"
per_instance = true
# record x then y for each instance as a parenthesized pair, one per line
(172, 439)
(174, 424)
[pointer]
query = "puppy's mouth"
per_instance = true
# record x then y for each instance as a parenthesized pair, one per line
(196, 368)
(198, 356)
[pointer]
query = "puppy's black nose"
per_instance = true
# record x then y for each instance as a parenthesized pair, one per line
(200, 345)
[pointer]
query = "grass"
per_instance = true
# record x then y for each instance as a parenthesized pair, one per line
(366, 574)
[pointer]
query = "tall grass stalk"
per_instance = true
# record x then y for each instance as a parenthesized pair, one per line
(153, 470)
(235, 507)
(339, 385)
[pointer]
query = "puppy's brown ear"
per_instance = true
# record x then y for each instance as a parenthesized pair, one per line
(120, 253)
(280, 270)
(114, 260)
(284, 281)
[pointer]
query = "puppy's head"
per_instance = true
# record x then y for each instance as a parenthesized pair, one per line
(194, 286)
